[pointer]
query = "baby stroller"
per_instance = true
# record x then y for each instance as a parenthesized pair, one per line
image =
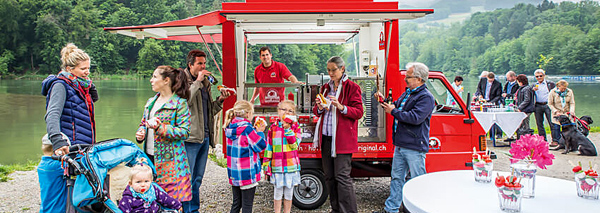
(86, 168)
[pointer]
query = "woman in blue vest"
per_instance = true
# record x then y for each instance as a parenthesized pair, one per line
(69, 111)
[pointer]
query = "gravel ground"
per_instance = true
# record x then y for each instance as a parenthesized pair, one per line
(21, 194)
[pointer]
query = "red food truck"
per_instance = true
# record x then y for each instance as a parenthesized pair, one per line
(454, 131)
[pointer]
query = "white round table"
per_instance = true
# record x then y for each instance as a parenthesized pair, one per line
(457, 191)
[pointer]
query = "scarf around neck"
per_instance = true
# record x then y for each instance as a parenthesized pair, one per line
(148, 197)
(563, 96)
(84, 83)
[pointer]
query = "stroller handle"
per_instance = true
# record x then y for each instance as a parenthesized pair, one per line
(73, 150)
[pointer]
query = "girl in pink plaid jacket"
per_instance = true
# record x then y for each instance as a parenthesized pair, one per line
(281, 156)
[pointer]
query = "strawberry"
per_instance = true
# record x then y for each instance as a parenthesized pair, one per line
(577, 169)
(475, 156)
(499, 181)
(511, 179)
(593, 174)
(488, 160)
(510, 185)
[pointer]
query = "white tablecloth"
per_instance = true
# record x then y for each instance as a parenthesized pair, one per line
(457, 191)
(509, 122)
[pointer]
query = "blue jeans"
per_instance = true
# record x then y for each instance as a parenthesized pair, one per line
(555, 130)
(197, 154)
(404, 159)
(53, 188)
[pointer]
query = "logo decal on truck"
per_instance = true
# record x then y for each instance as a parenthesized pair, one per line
(435, 143)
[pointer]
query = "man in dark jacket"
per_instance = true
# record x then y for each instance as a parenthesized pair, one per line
(203, 108)
(412, 114)
(481, 84)
(492, 89)
(511, 86)
(542, 88)
(525, 99)
(492, 93)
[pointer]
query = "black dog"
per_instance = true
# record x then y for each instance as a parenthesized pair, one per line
(582, 124)
(574, 138)
(584, 127)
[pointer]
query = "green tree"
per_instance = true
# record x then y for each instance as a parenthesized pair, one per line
(6, 58)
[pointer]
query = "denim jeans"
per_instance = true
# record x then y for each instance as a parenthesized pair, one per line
(197, 154)
(404, 159)
(555, 129)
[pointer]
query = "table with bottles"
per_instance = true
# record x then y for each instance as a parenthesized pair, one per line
(505, 116)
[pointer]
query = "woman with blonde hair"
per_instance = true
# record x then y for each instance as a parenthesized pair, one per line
(281, 156)
(561, 101)
(244, 143)
(164, 127)
(69, 112)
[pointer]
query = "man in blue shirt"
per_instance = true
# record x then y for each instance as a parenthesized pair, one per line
(412, 114)
(511, 86)
(542, 88)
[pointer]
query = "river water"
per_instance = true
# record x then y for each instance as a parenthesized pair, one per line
(119, 110)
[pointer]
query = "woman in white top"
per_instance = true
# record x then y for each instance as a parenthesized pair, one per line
(457, 86)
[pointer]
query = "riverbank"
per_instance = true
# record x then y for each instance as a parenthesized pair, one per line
(21, 194)
(93, 77)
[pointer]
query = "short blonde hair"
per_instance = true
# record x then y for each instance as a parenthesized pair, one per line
(140, 167)
(240, 109)
(47, 150)
(288, 103)
(562, 83)
(71, 56)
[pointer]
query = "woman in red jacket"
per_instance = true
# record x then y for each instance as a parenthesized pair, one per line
(339, 109)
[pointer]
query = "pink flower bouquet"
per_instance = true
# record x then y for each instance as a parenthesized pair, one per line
(531, 148)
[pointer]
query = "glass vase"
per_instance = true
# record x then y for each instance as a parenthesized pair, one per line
(510, 198)
(483, 171)
(526, 170)
(587, 186)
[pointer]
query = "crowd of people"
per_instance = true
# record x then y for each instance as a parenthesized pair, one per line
(176, 133)
(176, 130)
(543, 98)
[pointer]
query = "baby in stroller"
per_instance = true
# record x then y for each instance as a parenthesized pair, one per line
(142, 194)
(85, 174)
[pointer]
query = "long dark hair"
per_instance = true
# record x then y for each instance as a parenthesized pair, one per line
(179, 80)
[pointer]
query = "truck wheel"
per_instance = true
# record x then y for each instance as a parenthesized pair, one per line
(312, 192)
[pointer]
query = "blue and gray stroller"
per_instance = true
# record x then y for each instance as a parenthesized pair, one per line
(86, 169)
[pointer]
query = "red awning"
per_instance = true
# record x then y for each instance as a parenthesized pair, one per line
(179, 30)
(278, 21)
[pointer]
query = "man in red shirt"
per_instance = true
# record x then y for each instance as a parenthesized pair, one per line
(270, 71)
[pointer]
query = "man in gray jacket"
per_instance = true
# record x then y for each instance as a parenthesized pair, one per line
(203, 110)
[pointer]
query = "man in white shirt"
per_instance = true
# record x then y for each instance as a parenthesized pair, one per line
(542, 88)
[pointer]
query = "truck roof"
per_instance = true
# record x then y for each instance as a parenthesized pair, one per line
(277, 21)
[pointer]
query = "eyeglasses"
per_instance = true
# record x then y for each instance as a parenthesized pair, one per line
(332, 70)
(539, 76)
(286, 110)
(411, 76)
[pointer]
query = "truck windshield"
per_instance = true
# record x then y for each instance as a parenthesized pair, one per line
(445, 102)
